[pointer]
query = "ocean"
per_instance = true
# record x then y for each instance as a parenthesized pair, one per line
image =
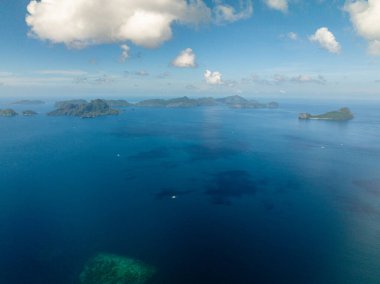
(205, 195)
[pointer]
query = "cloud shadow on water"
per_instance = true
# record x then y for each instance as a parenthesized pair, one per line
(228, 185)
(156, 153)
(199, 152)
(371, 186)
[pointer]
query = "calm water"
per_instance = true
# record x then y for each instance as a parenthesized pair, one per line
(260, 196)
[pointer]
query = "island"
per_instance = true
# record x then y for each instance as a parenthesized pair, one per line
(182, 102)
(8, 112)
(185, 102)
(240, 102)
(118, 103)
(83, 109)
(28, 102)
(101, 107)
(342, 114)
(29, 113)
(63, 104)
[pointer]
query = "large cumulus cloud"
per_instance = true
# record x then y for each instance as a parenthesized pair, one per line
(365, 15)
(79, 23)
(326, 40)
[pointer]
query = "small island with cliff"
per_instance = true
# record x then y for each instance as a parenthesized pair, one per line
(343, 114)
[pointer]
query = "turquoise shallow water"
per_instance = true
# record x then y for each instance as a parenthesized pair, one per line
(260, 196)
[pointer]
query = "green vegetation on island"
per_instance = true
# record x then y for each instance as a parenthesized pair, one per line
(83, 109)
(28, 102)
(63, 104)
(111, 103)
(240, 102)
(99, 107)
(7, 112)
(113, 269)
(343, 114)
(29, 113)
(185, 102)
(118, 103)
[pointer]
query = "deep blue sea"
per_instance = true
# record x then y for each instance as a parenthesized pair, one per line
(260, 197)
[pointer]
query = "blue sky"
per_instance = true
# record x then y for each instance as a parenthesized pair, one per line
(274, 48)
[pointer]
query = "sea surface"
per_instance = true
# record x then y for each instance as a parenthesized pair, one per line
(205, 195)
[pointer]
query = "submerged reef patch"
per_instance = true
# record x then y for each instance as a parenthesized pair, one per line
(113, 269)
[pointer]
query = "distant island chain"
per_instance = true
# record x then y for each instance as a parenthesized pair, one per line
(99, 107)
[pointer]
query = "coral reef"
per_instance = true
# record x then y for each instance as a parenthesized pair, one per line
(113, 269)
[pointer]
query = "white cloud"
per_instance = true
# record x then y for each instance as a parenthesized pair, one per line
(279, 79)
(365, 16)
(374, 47)
(79, 23)
(124, 52)
(326, 40)
(292, 36)
(186, 59)
(213, 78)
(309, 79)
(226, 13)
(94, 80)
(280, 5)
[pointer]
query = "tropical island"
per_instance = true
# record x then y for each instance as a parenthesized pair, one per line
(29, 113)
(118, 103)
(100, 107)
(83, 109)
(183, 102)
(186, 102)
(240, 102)
(342, 114)
(63, 104)
(8, 112)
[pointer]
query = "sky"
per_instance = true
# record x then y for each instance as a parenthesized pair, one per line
(167, 48)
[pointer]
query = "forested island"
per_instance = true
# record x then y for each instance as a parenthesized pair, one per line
(99, 107)
(185, 102)
(83, 109)
(29, 113)
(8, 112)
(342, 114)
